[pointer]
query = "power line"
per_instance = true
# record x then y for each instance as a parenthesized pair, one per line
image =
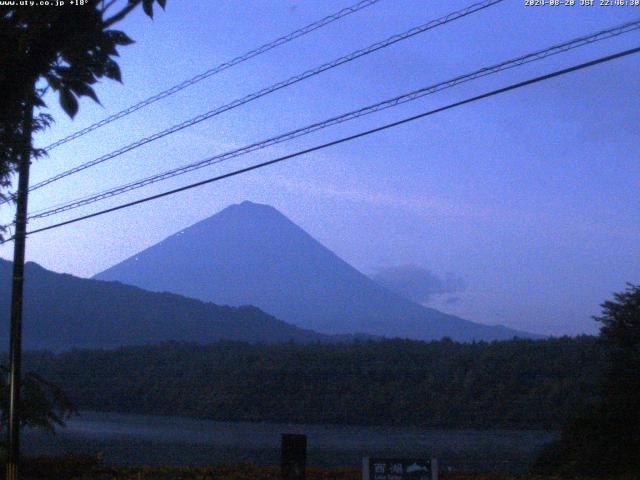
(275, 87)
(215, 70)
(492, 93)
(414, 95)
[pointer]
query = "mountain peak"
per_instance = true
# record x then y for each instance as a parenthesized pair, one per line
(249, 205)
(246, 210)
(237, 223)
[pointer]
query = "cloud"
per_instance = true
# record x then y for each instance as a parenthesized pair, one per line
(429, 205)
(417, 283)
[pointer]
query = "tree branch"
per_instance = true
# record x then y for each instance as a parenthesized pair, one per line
(107, 6)
(122, 13)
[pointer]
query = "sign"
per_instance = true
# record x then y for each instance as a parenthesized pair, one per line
(399, 469)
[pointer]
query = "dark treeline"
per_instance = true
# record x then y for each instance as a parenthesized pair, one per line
(513, 384)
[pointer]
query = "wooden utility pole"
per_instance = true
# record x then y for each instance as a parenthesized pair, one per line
(15, 346)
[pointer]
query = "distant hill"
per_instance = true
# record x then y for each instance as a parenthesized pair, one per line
(63, 311)
(252, 254)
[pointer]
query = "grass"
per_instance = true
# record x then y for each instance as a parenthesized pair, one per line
(247, 472)
(85, 467)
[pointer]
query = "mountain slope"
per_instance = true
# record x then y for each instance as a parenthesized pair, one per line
(63, 311)
(252, 254)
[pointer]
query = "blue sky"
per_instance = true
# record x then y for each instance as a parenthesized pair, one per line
(529, 199)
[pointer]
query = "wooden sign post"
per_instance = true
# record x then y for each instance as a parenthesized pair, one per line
(294, 456)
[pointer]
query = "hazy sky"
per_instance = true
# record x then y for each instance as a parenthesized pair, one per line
(526, 203)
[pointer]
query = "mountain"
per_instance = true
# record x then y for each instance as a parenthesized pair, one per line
(252, 254)
(63, 311)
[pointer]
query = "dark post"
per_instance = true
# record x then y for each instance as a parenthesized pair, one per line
(15, 346)
(294, 456)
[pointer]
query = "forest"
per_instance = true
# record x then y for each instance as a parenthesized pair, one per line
(517, 384)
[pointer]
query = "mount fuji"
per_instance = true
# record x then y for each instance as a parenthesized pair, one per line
(251, 254)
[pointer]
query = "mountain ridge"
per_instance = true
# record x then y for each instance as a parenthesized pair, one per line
(62, 311)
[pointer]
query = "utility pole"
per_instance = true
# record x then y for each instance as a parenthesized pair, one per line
(15, 346)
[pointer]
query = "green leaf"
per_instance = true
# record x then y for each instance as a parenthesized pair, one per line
(82, 89)
(147, 6)
(112, 71)
(108, 47)
(162, 3)
(53, 81)
(38, 102)
(118, 37)
(68, 102)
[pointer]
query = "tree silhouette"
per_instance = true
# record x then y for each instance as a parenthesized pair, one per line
(67, 49)
(605, 438)
(620, 408)
(64, 49)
